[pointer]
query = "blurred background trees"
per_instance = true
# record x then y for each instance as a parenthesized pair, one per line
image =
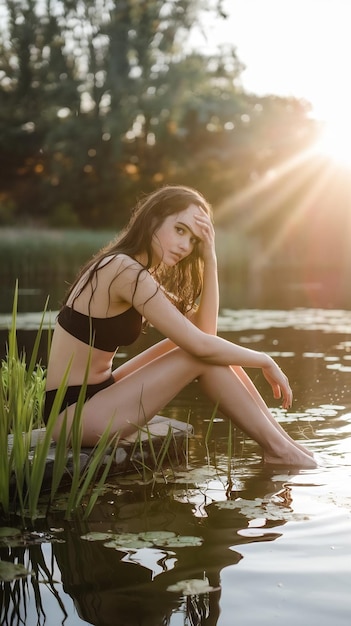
(102, 100)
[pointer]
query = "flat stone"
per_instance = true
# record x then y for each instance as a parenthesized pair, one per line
(139, 449)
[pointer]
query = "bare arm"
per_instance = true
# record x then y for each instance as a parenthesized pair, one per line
(136, 286)
(206, 315)
(143, 358)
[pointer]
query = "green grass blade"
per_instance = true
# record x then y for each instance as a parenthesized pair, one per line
(12, 348)
(209, 432)
(34, 356)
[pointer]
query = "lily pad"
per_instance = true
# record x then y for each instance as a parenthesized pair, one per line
(192, 586)
(148, 539)
(195, 476)
(134, 544)
(261, 508)
(156, 535)
(11, 571)
(96, 536)
(179, 542)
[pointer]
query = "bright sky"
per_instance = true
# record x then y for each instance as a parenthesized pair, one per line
(291, 47)
(296, 48)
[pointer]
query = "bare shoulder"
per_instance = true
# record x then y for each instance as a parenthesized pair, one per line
(120, 261)
(126, 277)
(116, 266)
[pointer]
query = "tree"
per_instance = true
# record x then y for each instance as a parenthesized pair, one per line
(100, 100)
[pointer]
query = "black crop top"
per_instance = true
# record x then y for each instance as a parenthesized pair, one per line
(105, 333)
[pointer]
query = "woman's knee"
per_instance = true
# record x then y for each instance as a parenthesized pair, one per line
(198, 366)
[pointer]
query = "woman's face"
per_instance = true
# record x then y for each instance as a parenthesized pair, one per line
(176, 237)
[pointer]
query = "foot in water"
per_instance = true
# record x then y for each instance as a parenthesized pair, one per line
(295, 457)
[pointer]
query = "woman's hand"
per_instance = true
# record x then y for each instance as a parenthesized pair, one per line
(279, 383)
(207, 245)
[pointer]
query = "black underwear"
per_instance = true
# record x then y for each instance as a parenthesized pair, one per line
(72, 394)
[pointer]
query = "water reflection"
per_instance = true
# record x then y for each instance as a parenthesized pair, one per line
(114, 588)
(259, 528)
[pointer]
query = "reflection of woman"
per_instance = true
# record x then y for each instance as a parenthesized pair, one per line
(161, 264)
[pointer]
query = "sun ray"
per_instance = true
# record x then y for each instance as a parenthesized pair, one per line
(265, 190)
(335, 141)
(300, 211)
(236, 203)
(303, 205)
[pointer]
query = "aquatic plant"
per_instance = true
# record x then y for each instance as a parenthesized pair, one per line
(22, 465)
(150, 463)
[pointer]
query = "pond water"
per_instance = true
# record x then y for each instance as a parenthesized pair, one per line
(273, 544)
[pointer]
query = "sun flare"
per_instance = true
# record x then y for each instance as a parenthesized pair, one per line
(335, 141)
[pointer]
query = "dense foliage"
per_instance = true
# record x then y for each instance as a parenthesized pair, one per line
(101, 100)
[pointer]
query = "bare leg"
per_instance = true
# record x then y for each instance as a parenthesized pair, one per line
(223, 386)
(261, 403)
(137, 397)
(164, 346)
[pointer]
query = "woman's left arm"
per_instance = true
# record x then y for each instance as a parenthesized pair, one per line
(205, 317)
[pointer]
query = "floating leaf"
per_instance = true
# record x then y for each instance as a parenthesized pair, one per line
(194, 476)
(148, 539)
(156, 535)
(192, 586)
(259, 508)
(96, 536)
(11, 571)
(19, 540)
(134, 544)
(179, 542)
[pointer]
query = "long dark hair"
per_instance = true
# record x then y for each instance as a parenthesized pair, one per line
(183, 282)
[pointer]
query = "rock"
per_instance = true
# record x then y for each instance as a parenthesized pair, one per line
(139, 449)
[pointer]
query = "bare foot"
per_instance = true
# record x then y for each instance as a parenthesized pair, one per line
(301, 447)
(296, 458)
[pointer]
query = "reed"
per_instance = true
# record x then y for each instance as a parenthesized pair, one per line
(27, 252)
(15, 594)
(209, 432)
(148, 455)
(45, 260)
(22, 469)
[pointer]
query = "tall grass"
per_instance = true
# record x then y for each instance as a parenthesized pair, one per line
(29, 253)
(45, 260)
(22, 469)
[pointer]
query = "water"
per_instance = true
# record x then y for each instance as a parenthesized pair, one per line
(275, 544)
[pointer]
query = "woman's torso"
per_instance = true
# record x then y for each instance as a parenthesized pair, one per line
(98, 318)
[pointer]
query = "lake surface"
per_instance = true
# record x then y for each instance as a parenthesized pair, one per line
(274, 544)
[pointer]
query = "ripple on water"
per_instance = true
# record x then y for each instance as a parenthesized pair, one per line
(326, 320)
(301, 577)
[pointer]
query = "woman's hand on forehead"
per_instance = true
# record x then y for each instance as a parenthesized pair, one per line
(207, 234)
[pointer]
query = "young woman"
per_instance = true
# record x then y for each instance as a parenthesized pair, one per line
(163, 269)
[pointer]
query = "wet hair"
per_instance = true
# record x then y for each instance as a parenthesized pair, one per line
(181, 283)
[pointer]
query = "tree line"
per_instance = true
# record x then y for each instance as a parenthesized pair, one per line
(103, 100)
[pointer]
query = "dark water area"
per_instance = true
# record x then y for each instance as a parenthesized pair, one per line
(274, 544)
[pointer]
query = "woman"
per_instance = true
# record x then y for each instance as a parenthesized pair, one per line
(160, 266)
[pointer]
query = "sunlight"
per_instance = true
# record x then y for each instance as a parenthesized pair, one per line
(335, 141)
(299, 165)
